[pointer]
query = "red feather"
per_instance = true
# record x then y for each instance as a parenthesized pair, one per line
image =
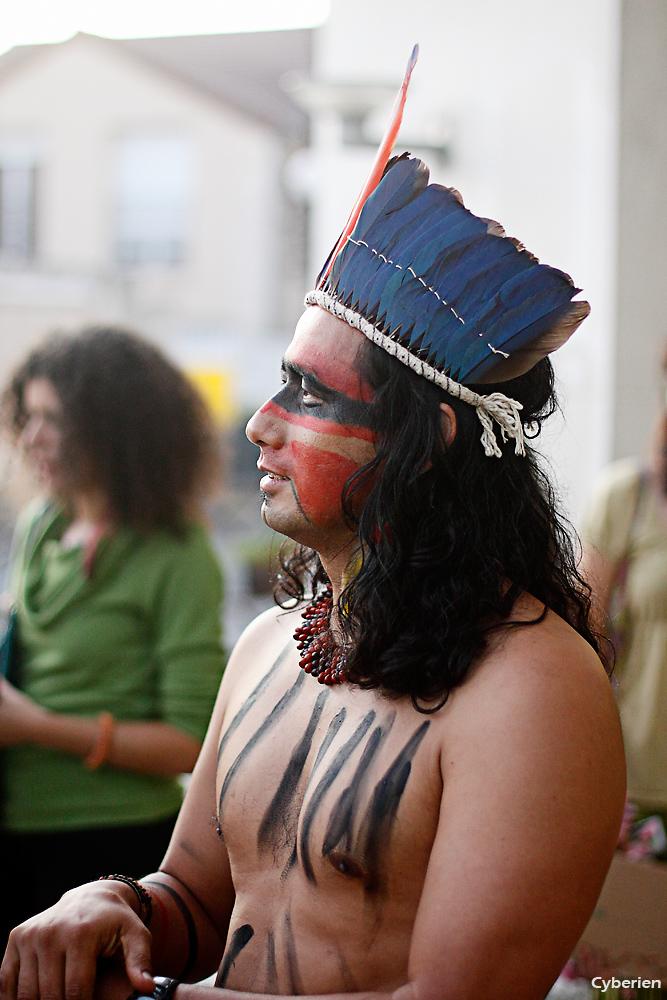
(381, 160)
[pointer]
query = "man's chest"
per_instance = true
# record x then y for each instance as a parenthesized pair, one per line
(332, 785)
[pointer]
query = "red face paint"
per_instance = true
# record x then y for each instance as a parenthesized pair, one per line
(316, 431)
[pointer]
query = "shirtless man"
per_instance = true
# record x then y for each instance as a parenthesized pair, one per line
(436, 819)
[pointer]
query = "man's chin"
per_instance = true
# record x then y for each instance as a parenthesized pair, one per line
(291, 525)
(269, 515)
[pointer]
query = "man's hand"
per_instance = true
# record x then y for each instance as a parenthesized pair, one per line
(54, 954)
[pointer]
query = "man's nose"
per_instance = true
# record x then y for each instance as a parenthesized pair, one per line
(265, 426)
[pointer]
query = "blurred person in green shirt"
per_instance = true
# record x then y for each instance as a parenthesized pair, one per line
(117, 650)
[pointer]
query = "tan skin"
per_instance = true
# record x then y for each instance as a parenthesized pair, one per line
(145, 747)
(442, 857)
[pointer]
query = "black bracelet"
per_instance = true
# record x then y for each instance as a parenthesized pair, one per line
(164, 990)
(142, 894)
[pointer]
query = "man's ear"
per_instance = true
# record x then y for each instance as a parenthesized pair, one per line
(448, 423)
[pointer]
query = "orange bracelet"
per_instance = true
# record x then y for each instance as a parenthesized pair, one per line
(100, 751)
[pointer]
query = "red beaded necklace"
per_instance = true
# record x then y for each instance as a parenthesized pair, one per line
(321, 657)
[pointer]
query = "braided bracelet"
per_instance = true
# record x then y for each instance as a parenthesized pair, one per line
(102, 748)
(142, 894)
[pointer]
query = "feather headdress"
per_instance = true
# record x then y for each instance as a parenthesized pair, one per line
(445, 292)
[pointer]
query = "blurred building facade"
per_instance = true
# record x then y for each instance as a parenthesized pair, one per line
(140, 183)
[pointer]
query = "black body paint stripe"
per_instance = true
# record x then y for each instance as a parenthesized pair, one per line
(252, 697)
(270, 721)
(193, 941)
(383, 807)
(240, 938)
(290, 864)
(275, 816)
(271, 969)
(345, 972)
(325, 783)
(342, 819)
(332, 732)
(295, 984)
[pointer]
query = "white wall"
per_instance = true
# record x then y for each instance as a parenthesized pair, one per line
(529, 93)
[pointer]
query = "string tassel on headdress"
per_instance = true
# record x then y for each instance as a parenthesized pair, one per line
(496, 406)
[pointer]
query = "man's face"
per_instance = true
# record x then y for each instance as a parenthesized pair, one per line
(314, 433)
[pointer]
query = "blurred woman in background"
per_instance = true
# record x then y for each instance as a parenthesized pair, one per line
(117, 591)
(625, 562)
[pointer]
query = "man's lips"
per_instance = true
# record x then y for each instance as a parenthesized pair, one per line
(269, 478)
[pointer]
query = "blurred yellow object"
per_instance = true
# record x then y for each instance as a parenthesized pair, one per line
(216, 386)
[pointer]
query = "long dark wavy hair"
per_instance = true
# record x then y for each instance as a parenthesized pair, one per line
(449, 538)
(133, 425)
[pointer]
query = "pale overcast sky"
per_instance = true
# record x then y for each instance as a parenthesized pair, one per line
(26, 22)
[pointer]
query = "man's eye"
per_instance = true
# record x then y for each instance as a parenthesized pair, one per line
(309, 398)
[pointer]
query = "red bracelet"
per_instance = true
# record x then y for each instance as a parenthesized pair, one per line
(102, 748)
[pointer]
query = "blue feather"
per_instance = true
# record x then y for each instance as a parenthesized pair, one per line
(489, 290)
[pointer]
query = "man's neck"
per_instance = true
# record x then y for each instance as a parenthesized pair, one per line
(341, 566)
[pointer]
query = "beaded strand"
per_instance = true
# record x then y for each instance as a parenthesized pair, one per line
(321, 657)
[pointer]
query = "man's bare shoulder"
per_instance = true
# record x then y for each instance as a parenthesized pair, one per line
(259, 646)
(547, 657)
(541, 670)
(539, 685)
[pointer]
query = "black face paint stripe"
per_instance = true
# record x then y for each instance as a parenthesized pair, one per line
(271, 968)
(325, 783)
(335, 407)
(295, 984)
(270, 721)
(382, 809)
(240, 938)
(276, 816)
(298, 502)
(252, 697)
(342, 819)
(190, 926)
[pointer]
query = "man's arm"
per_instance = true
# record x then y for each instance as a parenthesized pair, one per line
(534, 784)
(55, 953)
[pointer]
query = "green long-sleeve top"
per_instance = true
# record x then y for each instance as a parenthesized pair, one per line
(139, 636)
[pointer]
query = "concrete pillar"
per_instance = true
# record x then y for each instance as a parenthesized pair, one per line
(642, 226)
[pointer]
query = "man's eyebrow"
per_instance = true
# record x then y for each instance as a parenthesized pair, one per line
(312, 380)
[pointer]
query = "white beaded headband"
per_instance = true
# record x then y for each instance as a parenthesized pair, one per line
(495, 406)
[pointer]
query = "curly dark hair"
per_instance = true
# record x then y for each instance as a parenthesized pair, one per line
(133, 425)
(442, 531)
